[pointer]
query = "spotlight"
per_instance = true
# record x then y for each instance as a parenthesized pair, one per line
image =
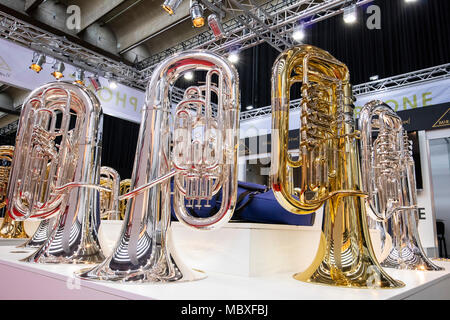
(299, 33)
(350, 15)
(233, 57)
(171, 5)
(37, 62)
(410, 0)
(249, 107)
(112, 84)
(59, 68)
(79, 76)
(374, 78)
(197, 14)
(95, 81)
(189, 75)
(216, 26)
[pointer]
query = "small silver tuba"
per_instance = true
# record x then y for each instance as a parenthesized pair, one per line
(195, 144)
(389, 179)
(55, 171)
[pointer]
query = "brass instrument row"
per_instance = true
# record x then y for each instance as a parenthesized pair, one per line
(56, 172)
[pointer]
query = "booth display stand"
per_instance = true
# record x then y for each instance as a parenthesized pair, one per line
(242, 261)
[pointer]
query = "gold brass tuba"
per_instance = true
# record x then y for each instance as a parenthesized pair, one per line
(388, 177)
(124, 188)
(60, 131)
(109, 200)
(329, 163)
(194, 144)
(9, 229)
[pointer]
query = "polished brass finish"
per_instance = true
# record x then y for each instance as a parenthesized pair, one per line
(55, 171)
(124, 188)
(330, 169)
(9, 229)
(388, 177)
(109, 197)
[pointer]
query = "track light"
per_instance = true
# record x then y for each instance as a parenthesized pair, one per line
(350, 14)
(374, 78)
(216, 26)
(112, 84)
(197, 14)
(249, 107)
(233, 57)
(171, 5)
(37, 62)
(189, 75)
(79, 76)
(299, 33)
(95, 82)
(410, 0)
(58, 68)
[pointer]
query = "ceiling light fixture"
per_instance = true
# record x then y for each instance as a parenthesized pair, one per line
(350, 14)
(171, 5)
(196, 10)
(37, 62)
(233, 57)
(58, 68)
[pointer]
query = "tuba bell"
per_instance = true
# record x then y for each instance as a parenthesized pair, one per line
(195, 145)
(55, 170)
(9, 229)
(329, 164)
(388, 177)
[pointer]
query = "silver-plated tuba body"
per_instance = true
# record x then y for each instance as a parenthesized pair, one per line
(55, 170)
(389, 179)
(195, 144)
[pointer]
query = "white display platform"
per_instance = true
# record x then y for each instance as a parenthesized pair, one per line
(241, 249)
(39, 281)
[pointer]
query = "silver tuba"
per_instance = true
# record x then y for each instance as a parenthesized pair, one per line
(388, 177)
(195, 144)
(55, 170)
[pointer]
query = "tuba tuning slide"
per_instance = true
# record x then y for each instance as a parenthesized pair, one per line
(388, 177)
(55, 171)
(329, 167)
(196, 144)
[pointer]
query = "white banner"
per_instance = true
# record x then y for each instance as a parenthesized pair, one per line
(122, 102)
(411, 97)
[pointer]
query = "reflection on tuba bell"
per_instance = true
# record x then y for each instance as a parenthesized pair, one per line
(329, 162)
(9, 229)
(389, 179)
(59, 131)
(194, 144)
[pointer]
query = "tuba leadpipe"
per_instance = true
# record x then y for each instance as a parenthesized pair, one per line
(55, 170)
(191, 143)
(329, 164)
(388, 177)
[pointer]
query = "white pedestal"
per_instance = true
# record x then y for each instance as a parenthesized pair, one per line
(241, 249)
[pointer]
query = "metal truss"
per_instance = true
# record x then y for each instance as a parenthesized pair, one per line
(250, 25)
(412, 78)
(58, 47)
(9, 128)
